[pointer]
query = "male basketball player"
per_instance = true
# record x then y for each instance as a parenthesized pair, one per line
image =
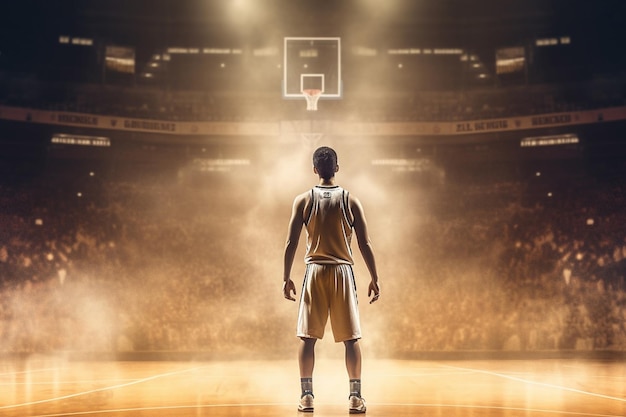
(329, 215)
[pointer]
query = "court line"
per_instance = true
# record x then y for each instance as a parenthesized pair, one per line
(78, 394)
(187, 407)
(495, 407)
(544, 384)
(73, 381)
(464, 370)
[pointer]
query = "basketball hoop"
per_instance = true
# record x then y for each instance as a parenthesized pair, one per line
(312, 96)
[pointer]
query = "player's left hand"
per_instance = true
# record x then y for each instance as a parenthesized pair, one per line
(374, 288)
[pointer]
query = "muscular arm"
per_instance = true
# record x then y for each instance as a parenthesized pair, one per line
(365, 246)
(291, 245)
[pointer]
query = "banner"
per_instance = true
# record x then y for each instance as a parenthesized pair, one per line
(139, 125)
(276, 129)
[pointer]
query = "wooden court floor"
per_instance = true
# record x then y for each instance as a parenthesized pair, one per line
(53, 386)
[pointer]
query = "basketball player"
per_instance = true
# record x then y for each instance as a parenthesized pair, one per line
(329, 215)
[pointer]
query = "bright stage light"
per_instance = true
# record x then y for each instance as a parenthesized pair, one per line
(242, 11)
(382, 8)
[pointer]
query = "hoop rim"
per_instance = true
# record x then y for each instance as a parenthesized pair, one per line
(312, 92)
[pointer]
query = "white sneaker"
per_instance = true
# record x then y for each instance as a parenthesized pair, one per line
(357, 405)
(306, 403)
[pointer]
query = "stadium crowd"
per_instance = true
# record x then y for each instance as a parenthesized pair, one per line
(507, 276)
(181, 266)
(154, 103)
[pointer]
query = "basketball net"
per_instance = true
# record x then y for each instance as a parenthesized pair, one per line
(312, 96)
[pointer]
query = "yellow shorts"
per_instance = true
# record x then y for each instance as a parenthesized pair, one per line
(329, 290)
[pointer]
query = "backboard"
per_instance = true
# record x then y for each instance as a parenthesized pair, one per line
(312, 64)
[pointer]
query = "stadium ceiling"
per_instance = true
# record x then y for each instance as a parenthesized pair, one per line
(443, 21)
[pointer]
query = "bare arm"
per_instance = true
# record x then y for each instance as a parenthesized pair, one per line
(291, 245)
(365, 246)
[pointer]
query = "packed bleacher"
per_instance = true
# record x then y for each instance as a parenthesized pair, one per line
(148, 264)
(506, 275)
(147, 102)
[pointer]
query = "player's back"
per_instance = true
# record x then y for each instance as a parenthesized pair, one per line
(328, 225)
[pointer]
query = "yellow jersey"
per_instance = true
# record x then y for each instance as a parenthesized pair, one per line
(329, 227)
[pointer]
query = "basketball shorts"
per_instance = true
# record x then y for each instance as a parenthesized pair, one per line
(329, 290)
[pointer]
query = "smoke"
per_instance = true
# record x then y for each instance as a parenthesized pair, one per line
(260, 233)
(194, 264)
(259, 206)
(75, 316)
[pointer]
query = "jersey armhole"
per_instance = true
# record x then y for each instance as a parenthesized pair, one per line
(347, 211)
(307, 217)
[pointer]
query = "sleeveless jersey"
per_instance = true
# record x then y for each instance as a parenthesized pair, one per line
(328, 227)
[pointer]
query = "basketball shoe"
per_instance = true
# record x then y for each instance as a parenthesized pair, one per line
(357, 404)
(306, 403)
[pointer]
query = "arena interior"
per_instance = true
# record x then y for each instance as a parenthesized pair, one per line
(149, 157)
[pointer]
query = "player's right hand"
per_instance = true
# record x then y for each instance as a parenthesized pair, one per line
(374, 288)
(288, 288)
